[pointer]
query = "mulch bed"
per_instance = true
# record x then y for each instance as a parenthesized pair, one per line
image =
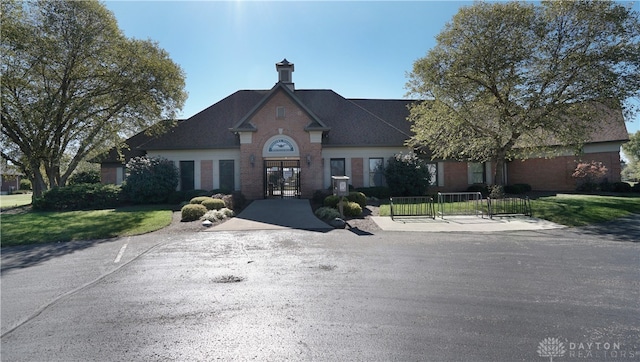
(363, 223)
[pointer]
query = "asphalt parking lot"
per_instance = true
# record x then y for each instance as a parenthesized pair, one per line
(337, 295)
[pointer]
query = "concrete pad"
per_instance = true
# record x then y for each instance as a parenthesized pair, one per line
(275, 214)
(464, 224)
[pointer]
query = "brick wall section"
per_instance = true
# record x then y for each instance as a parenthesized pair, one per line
(252, 177)
(555, 174)
(206, 174)
(357, 176)
(108, 174)
(455, 177)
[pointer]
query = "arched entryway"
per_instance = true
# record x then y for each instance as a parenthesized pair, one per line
(281, 179)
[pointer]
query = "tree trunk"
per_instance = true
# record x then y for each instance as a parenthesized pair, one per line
(498, 175)
(38, 184)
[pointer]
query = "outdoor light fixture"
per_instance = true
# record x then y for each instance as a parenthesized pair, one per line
(308, 160)
(252, 159)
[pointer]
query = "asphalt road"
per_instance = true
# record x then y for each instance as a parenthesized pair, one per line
(336, 296)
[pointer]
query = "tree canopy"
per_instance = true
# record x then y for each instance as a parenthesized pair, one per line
(505, 78)
(632, 151)
(74, 86)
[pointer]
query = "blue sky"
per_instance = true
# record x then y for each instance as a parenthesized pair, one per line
(358, 49)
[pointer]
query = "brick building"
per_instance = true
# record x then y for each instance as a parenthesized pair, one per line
(288, 142)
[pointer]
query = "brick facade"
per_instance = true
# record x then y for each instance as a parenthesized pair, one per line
(554, 174)
(291, 125)
(206, 174)
(109, 174)
(355, 130)
(357, 173)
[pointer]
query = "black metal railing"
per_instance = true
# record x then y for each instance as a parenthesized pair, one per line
(460, 203)
(511, 206)
(412, 206)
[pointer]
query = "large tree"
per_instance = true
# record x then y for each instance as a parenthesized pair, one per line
(632, 151)
(506, 77)
(73, 86)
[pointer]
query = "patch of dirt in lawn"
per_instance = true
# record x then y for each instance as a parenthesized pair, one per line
(16, 210)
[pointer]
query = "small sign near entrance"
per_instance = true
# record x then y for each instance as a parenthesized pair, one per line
(340, 185)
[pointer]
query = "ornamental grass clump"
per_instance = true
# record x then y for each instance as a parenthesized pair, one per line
(218, 215)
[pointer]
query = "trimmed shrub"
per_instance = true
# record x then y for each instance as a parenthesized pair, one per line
(379, 192)
(213, 204)
(359, 198)
(327, 213)
(80, 197)
(319, 196)
(150, 180)
(217, 215)
(351, 209)
(84, 177)
(193, 212)
(479, 188)
(237, 201)
(25, 185)
(517, 189)
(177, 197)
(407, 175)
(200, 199)
(331, 201)
(621, 187)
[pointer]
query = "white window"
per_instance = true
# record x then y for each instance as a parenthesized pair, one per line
(477, 173)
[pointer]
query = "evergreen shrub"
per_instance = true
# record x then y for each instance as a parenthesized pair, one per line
(200, 199)
(379, 192)
(213, 204)
(331, 201)
(351, 209)
(79, 197)
(150, 180)
(193, 212)
(84, 177)
(327, 213)
(359, 198)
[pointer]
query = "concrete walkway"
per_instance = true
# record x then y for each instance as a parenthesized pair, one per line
(464, 224)
(297, 214)
(275, 215)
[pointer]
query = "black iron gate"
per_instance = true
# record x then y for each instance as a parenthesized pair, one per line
(282, 179)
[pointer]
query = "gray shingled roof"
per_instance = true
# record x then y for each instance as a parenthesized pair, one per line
(350, 122)
(346, 122)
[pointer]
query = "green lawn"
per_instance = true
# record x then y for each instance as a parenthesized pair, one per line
(41, 227)
(575, 210)
(9, 201)
(580, 210)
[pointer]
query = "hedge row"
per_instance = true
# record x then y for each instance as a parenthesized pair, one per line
(80, 197)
